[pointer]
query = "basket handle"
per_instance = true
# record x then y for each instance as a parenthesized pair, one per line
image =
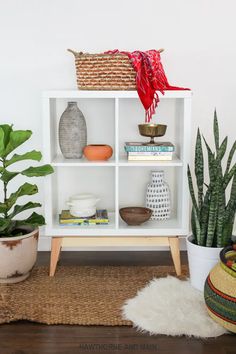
(230, 250)
(74, 52)
(80, 53)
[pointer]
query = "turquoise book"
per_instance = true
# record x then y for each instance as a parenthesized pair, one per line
(143, 147)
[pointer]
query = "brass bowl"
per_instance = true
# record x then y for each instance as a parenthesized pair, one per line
(152, 130)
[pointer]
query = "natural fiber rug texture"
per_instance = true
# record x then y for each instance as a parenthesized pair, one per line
(80, 295)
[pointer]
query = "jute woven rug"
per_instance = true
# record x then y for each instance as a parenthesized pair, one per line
(76, 295)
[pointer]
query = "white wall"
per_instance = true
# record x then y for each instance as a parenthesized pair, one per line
(198, 37)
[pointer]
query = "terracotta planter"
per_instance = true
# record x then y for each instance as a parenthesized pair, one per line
(18, 256)
(98, 152)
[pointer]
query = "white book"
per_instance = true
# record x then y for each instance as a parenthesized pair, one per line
(150, 153)
(149, 158)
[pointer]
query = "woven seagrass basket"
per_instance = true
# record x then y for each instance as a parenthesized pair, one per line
(220, 290)
(104, 71)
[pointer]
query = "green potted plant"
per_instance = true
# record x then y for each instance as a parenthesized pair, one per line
(213, 206)
(18, 237)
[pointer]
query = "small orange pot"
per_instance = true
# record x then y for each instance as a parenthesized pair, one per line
(96, 152)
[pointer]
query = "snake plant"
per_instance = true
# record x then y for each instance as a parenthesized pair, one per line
(11, 139)
(213, 213)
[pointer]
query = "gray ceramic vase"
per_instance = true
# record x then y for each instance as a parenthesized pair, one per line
(72, 132)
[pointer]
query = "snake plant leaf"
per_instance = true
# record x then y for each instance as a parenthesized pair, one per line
(20, 208)
(211, 163)
(213, 208)
(6, 176)
(216, 131)
(229, 176)
(220, 216)
(33, 220)
(16, 138)
(231, 155)
(31, 155)
(197, 227)
(25, 189)
(193, 224)
(38, 171)
(190, 183)
(199, 167)
(222, 149)
(204, 217)
(230, 213)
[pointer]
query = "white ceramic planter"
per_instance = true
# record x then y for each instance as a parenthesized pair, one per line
(201, 260)
(18, 256)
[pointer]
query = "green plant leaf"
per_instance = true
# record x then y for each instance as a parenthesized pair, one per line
(231, 155)
(199, 167)
(4, 224)
(211, 163)
(213, 208)
(229, 176)
(191, 190)
(204, 217)
(196, 226)
(216, 131)
(16, 138)
(7, 176)
(222, 149)
(2, 146)
(31, 155)
(20, 208)
(25, 189)
(220, 216)
(7, 129)
(38, 171)
(229, 215)
(3, 208)
(33, 220)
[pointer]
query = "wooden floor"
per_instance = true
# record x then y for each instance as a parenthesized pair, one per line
(31, 338)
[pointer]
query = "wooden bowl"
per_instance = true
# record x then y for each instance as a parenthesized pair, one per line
(135, 215)
(98, 152)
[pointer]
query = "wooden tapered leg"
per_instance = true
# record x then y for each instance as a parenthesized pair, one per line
(175, 253)
(55, 253)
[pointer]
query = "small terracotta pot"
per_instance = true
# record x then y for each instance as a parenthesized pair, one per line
(98, 152)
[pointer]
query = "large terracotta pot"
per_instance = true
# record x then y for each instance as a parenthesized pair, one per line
(18, 256)
(98, 152)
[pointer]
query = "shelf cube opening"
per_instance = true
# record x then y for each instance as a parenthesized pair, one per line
(99, 116)
(133, 186)
(168, 112)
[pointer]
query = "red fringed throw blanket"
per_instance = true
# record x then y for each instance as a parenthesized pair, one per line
(150, 78)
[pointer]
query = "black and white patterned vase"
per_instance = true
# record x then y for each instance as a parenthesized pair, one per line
(158, 197)
(72, 132)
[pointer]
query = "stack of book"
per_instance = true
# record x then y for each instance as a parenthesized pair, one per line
(162, 151)
(66, 219)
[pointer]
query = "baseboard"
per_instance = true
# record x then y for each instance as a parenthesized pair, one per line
(45, 245)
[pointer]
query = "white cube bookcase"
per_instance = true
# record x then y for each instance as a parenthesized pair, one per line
(112, 118)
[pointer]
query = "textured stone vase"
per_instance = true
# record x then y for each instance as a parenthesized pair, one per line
(72, 132)
(158, 197)
(18, 256)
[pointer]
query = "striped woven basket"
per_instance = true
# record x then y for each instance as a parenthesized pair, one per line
(220, 290)
(104, 71)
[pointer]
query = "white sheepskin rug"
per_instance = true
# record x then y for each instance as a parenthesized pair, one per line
(171, 306)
